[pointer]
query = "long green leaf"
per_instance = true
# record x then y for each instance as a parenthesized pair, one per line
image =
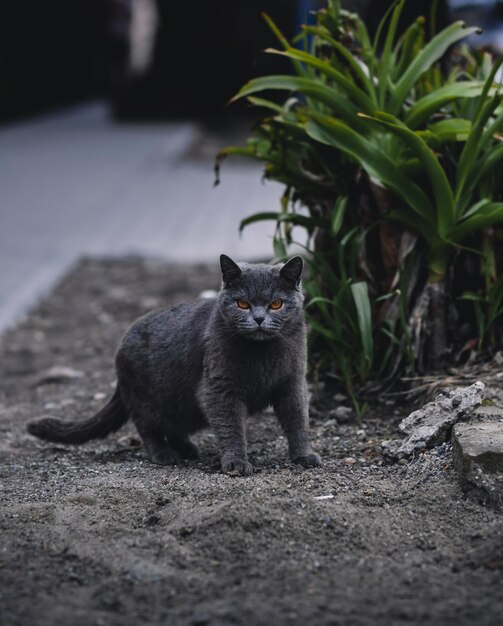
(488, 162)
(352, 61)
(283, 41)
(431, 53)
(422, 110)
(359, 96)
(496, 123)
(326, 332)
(440, 184)
(338, 213)
(342, 311)
(450, 130)
(280, 251)
(236, 151)
(476, 208)
(305, 220)
(411, 37)
(363, 309)
(335, 133)
(472, 147)
(480, 136)
(267, 104)
(487, 216)
(493, 128)
(387, 61)
(258, 217)
(298, 220)
(488, 84)
(339, 104)
(366, 51)
(414, 223)
(376, 44)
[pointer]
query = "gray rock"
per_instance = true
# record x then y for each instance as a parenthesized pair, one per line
(491, 412)
(478, 457)
(340, 397)
(58, 374)
(342, 414)
(432, 424)
(481, 443)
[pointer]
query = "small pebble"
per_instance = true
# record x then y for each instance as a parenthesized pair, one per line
(51, 406)
(342, 413)
(149, 303)
(349, 460)
(58, 374)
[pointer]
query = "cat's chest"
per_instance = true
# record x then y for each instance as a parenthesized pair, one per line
(256, 376)
(252, 372)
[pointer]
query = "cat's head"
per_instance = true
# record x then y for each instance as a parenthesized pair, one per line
(260, 300)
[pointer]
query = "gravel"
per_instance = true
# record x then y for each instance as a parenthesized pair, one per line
(96, 535)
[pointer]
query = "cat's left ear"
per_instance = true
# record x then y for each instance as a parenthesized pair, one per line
(292, 270)
(230, 269)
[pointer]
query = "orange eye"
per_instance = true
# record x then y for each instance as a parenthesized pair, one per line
(242, 304)
(275, 305)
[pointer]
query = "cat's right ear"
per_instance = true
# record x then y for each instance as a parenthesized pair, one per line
(230, 270)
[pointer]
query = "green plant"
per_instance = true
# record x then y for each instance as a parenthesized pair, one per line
(389, 155)
(488, 310)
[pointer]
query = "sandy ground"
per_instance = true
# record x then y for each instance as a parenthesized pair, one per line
(96, 535)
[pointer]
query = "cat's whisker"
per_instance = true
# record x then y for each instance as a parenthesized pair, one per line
(287, 340)
(227, 338)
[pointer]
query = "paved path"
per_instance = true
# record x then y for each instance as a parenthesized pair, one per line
(75, 184)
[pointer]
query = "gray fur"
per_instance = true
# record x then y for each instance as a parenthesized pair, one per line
(212, 363)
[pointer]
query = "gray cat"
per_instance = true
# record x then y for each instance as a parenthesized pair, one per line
(212, 362)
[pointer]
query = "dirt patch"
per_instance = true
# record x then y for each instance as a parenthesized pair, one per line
(97, 535)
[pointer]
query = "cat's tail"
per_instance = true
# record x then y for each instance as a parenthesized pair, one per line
(111, 417)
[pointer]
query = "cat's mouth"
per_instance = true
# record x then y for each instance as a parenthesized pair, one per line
(259, 334)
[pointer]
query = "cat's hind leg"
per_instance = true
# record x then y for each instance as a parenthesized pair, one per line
(156, 446)
(164, 440)
(148, 419)
(181, 443)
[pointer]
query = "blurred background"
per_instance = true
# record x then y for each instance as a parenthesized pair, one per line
(111, 113)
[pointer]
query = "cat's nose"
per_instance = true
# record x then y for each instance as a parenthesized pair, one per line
(259, 319)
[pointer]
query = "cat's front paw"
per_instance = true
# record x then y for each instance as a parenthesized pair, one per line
(308, 460)
(237, 467)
